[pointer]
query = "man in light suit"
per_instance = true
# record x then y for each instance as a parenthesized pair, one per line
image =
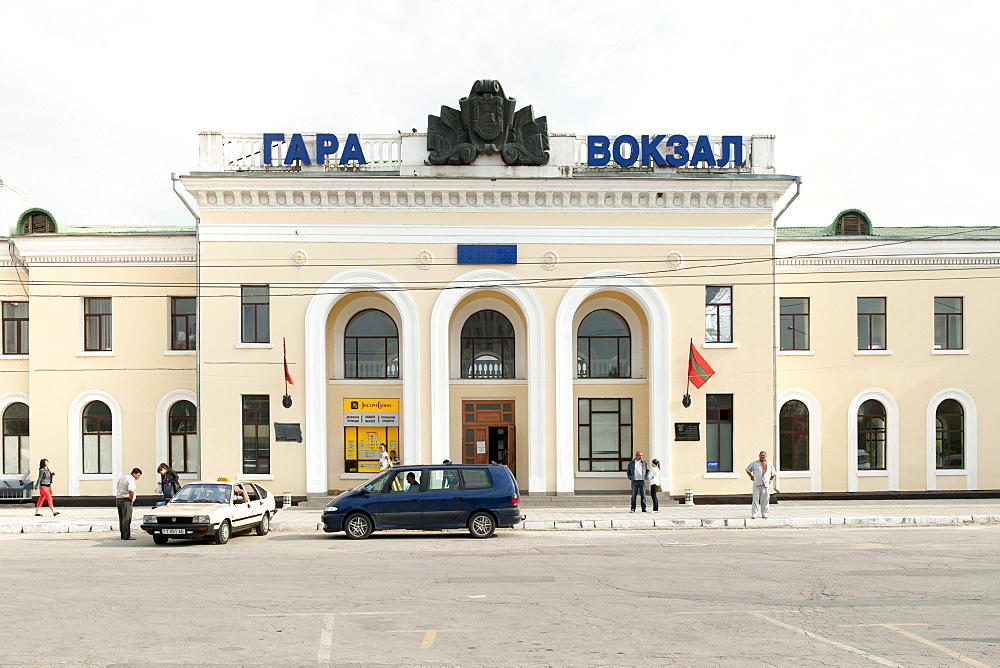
(761, 472)
(638, 473)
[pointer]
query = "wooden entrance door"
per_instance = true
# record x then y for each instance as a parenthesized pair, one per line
(477, 419)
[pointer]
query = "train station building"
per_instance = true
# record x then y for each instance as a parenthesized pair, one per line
(486, 290)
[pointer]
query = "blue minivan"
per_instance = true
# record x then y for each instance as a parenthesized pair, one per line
(479, 497)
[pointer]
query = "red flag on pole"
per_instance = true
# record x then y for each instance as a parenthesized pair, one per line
(284, 353)
(698, 369)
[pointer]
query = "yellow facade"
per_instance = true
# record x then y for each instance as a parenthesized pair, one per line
(332, 245)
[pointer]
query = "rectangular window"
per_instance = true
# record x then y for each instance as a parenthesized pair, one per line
(604, 434)
(183, 323)
(255, 315)
(871, 323)
(256, 434)
(15, 328)
(948, 325)
(719, 314)
(719, 433)
(97, 323)
(794, 323)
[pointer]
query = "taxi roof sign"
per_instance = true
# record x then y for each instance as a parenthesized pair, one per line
(223, 478)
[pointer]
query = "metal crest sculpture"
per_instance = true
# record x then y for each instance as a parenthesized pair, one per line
(487, 123)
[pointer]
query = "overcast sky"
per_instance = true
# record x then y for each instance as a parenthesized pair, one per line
(890, 107)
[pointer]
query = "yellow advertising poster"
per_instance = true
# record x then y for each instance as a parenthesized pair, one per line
(369, 423)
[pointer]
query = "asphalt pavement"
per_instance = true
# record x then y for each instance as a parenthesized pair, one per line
(20, 518)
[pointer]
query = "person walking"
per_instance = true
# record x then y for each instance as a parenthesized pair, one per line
(383, 458)
(170, 482)
(124, 497)
(44, 486)
(654, 483)
(761, 472)
(638, 473)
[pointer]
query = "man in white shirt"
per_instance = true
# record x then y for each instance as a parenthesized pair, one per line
(124, 496)
(761, 472)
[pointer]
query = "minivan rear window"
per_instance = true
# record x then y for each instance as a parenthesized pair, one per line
(477, 479)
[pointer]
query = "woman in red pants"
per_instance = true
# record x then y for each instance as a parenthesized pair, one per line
(44, 485)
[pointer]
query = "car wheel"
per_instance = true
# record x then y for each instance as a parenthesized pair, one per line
(160, 540)
(482, 525)
(358, 526)
(265, 524)
(222, 535)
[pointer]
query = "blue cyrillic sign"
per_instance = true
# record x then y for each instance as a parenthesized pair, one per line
(627, 150)
(326, 144)
(487, 254)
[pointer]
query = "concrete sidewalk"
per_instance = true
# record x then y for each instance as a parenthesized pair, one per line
(20, 519)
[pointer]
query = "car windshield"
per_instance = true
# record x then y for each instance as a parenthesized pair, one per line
(375, 484)
(197, 493)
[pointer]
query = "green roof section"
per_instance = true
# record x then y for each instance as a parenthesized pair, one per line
(60, 228)
(913, 233)
(121, 229)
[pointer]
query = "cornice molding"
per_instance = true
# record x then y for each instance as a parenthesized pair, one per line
(726, 195)
(132, 260)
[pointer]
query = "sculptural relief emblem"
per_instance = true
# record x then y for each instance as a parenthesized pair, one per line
(487, 123)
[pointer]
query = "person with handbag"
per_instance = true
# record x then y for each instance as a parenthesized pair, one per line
(44, 487)
(170, 482)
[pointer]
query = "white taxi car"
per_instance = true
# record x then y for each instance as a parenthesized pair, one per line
(211, 510)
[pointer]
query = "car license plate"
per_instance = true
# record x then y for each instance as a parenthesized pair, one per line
(173, 531)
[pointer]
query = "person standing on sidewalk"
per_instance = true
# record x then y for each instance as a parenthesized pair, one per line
(761, 472)
(170, 482)
(638, 473)
(654, 483)
(44, 485)
(124, 496)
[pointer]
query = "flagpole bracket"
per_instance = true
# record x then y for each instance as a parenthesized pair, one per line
(286, 401)
(686, 401)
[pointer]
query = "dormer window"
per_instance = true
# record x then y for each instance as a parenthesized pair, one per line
(38, 223)
(852, 223)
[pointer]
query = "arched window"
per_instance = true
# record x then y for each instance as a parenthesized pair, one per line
(487, 346)
(871, 436)
(950, 435)
(15, 439)
(97, 438)
(184, 448)
(603, 346)
(793, 436)
(371, 346)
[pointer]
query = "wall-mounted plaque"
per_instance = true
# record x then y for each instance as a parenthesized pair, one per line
(686, 431)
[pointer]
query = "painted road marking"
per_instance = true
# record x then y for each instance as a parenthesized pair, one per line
(810, 634)
(952, 653)
(430, 634)
(326, 635)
